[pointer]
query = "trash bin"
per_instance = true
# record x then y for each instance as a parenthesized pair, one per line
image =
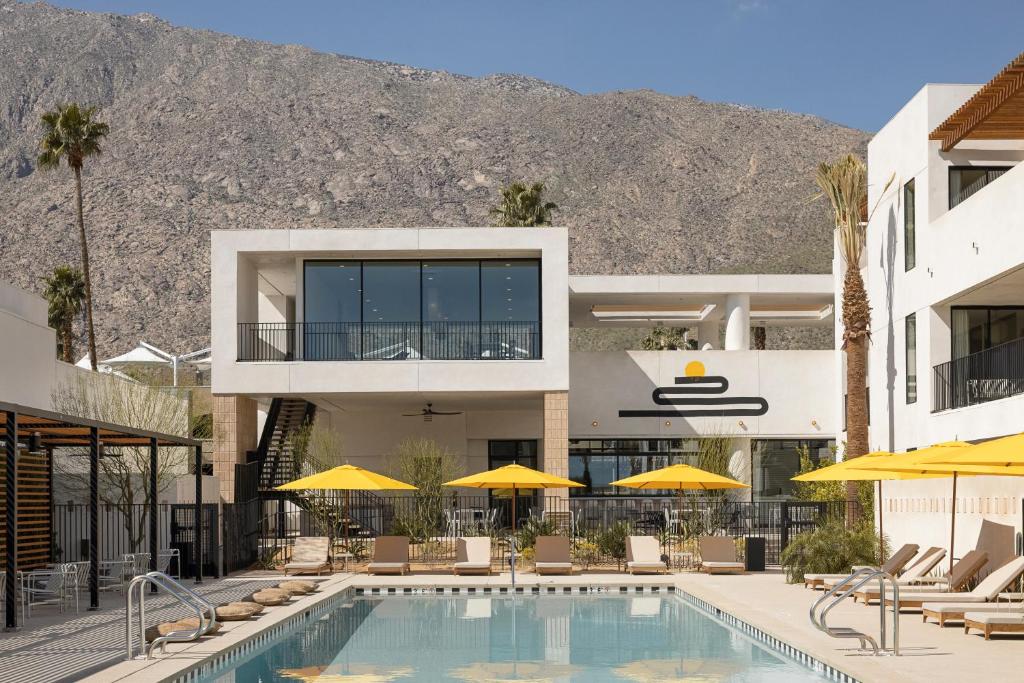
(755, 554)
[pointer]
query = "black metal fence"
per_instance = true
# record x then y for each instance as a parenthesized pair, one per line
(980, 377)
(435, 525)
(433, 340)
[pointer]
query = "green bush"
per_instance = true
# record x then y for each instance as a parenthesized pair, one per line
(526, 535)
(832, 548)
(612, 540)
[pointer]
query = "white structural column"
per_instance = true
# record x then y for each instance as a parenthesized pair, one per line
(707, 335)
(740, 468)
(737, 322)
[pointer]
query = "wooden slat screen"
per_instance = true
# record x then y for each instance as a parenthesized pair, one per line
(35, 526)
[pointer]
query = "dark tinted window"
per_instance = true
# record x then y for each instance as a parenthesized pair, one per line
(332, 291)
(391, 291)
(451, 291)
(510, 290)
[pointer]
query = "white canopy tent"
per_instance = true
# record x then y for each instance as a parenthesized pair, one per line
(147, 355)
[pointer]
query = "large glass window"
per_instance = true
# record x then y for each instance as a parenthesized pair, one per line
(976, 328)
(910, 357)
(777, 461)
(909, 236)
(447, 310)
(596, 463)
(966, 180)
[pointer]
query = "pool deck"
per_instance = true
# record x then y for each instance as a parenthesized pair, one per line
(764, 601)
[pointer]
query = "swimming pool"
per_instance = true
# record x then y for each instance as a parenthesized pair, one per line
(562, 638)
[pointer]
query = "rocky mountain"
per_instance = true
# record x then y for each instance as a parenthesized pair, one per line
(210, 131)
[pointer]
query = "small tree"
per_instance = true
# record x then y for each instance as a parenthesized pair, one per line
(124, 471)
(426, 465)
(713, 455)
(665, 339)
(64, 294)
(523, 206)
(316, 448)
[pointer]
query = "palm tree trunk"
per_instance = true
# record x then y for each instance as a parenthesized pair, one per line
(856, 333)
(66, 336)
(90, 331)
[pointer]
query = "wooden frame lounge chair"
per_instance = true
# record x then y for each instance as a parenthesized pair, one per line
(942, 612)
(986, 591)
(472, 556)
(893, 565)
(965, 569)
(718, 555)
(914, 575)
(643, 554)
(309, 554)
(390, 556)
(551, 555)
(994, 622)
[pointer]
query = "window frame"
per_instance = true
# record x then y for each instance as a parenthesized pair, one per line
(909, 225)
(910, 369)
(967, 167)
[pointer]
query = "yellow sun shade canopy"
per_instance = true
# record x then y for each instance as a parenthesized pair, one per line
(679, 477)
(513, 477)
(845, 471)
(1007, 451)
(347, 478)
(905, 462)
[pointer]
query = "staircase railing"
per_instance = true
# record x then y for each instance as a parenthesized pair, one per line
(206, 613)
(846, 587)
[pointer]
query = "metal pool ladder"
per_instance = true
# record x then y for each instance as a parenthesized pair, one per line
(819, 610)
(136, 593)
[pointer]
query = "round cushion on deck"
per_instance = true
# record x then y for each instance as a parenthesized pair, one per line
(153, 632)
(300, 587)
(253, 607)
(232, 613)
(192, 622)
(270, 598)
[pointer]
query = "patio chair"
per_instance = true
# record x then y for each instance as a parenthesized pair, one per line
(986, 591)
(138, 564)
(167, 558)
(45, 587)
(893, 565)
(915, 574)
(643, 554)
(113, 574)
(309, 554)
(473, 556)
(551, 555)
(390, 556)
(966, 568)
(994, 622)
(718, 555)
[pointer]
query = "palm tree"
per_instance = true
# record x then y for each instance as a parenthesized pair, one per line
(71, 134)
(523, 206)
(65, 292)
(844, 183)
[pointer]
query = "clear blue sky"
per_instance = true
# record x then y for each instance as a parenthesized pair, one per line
(851, 61)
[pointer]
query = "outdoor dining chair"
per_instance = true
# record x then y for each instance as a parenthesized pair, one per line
(166, 558)
(45, 587)
(112, 574)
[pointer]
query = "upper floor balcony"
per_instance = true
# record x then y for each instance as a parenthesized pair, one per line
(980, 377)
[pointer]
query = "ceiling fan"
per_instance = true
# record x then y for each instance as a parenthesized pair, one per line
(428, 413)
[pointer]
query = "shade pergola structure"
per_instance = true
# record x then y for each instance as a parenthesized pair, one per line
(34, 430)
(995, 112)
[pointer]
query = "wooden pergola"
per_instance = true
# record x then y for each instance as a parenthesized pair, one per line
(995, 112)
(30, 435)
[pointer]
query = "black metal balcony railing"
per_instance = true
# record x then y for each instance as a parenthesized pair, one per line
(511, 340)
(984, 376)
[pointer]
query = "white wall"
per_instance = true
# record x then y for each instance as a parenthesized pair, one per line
(799, 387)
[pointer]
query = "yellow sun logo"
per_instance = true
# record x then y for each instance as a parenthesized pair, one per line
(694, 369)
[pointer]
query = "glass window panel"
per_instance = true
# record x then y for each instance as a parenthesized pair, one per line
(595, 472)
(331, 291)
(510, 290)
(1006, 324)
(451, 291)
(391, 310)
(909, 237)
(911, 357)
(776, 461)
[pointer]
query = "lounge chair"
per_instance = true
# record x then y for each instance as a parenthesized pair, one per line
(893, 565)
(309, 554)
(390, 555)
(643, 554)
(986, 591)
(718, 555)
(994, 622)
(473, 556)
(965, 569)
(942, 612)
(551, 555)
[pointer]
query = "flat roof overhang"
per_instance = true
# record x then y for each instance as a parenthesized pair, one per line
(639, 300)
(995, 112)
(59, 430)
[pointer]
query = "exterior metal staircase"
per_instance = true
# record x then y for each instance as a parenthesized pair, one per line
(274, 454)
(848, 586)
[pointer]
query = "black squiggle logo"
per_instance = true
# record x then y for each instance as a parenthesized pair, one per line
(714, 384)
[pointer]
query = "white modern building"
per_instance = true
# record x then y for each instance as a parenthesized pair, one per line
(944, 270)
(368, 328)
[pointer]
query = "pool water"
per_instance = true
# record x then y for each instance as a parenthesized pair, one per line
(515, 638)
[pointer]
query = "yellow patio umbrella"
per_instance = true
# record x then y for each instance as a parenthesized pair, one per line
(514, 478)
(908, 463)
(346, 478)
(846, 471)
(680, 478)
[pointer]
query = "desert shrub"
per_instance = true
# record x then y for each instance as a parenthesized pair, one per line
(612, 540)
(586, 553)
(426, 465)
(832, 548)
(526, 535)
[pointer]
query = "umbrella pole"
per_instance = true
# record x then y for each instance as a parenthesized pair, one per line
(952, 526)
(512, 543)
(881, 536)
